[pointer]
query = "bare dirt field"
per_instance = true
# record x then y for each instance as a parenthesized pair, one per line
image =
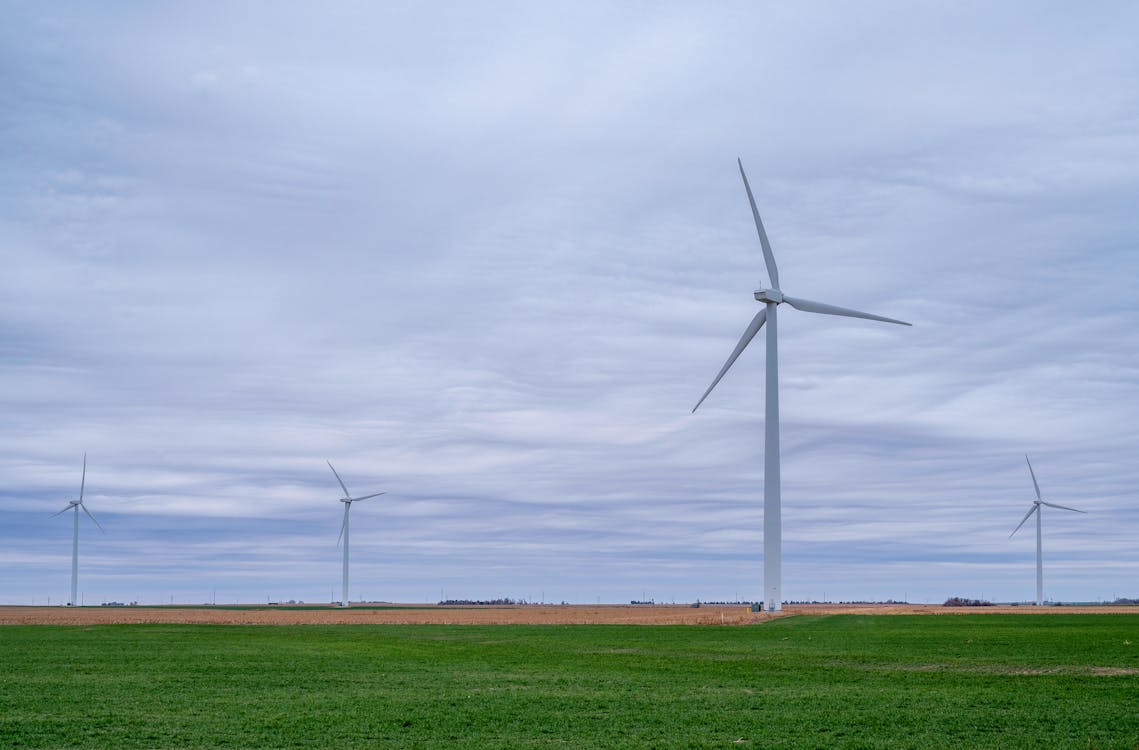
(415, 614)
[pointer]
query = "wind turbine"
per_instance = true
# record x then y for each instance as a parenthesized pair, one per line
(76, 505)
(347, 500)
(771, 299)
(1036, 509)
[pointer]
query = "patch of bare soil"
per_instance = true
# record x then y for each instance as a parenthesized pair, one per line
(937, 609)
(413, 614)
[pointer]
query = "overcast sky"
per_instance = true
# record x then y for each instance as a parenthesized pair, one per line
(486, 257)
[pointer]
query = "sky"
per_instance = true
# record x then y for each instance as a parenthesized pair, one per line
(487, 256)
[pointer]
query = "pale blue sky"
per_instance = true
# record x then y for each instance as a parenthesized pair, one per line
(487, 258)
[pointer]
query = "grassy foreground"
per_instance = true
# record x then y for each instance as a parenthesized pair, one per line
(970, 681)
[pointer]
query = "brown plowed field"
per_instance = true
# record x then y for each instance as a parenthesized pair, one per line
(412, 614)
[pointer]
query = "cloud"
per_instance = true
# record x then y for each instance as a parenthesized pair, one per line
(488, 260)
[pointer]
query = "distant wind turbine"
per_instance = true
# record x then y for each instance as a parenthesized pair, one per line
(1036, 509)
(75, 505)
(347, 500)
(771, 299)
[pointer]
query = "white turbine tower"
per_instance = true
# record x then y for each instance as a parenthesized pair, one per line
(75, 505)
(347, 500)
(1039, 501)
(771, 299)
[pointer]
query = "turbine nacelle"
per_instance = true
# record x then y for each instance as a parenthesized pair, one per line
(769, 295)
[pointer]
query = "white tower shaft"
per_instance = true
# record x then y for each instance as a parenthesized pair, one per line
(75, 561)
(344, 598)
(1039, 561)
(772, 518)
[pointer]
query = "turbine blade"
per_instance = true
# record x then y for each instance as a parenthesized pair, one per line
(338, 479)
(752, 329)
(1062, 507)
(1033, 473)
(69, 507)
(1035, 508)
(365, 497)
(768, 256)
(83, 481)
(343, 525)
(807, 305)
(84, 507)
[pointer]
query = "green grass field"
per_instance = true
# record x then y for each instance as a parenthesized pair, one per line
(971, 681)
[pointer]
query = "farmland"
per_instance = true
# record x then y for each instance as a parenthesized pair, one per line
(1005, 680)
(426, 614)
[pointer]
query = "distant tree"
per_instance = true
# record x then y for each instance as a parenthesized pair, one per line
(482, 602)
(959, 601)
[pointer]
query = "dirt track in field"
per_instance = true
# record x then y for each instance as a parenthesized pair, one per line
(412, 614)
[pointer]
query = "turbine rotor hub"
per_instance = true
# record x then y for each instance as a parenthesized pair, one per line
(769, 295)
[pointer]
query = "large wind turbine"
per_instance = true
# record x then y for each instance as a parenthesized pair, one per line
(1036, 509)
(347, 500)
(771, 299)
(75, 505)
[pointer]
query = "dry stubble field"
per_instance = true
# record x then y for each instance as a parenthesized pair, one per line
(418, 614)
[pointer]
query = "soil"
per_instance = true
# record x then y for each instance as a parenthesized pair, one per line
(574, 614)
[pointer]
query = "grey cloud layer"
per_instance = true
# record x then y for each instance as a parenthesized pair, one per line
(488, 260)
